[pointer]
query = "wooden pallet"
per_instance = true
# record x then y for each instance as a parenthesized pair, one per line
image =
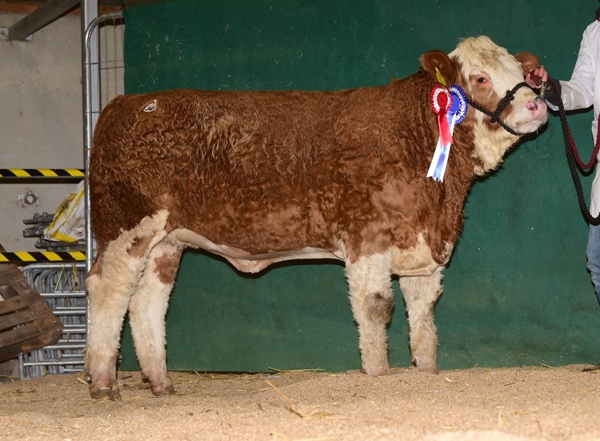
(26, 322)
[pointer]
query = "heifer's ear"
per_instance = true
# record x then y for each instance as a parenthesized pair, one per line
(528, 61)
(431, 60)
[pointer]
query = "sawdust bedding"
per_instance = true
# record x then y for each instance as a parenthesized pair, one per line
(526, 403)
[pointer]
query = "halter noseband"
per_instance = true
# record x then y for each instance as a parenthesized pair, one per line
(495, 115)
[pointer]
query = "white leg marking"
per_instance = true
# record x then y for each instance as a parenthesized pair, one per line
(147, 312)
(109, 293)
(372, 302)
(420, 295)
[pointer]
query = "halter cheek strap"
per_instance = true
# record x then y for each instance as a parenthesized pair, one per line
(495, 115)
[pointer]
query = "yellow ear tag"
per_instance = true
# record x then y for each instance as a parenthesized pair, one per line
(439, 77)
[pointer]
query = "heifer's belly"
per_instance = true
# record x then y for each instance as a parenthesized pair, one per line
(248, 262)
(413, 261)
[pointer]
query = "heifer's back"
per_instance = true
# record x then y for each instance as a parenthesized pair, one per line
(260, 177)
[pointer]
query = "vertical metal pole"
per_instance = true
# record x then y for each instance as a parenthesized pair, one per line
(91, 101)
(92, 106)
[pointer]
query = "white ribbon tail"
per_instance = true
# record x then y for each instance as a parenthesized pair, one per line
(437, 169)
(435, 160)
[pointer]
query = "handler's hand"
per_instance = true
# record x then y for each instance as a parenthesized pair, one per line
(537, 78)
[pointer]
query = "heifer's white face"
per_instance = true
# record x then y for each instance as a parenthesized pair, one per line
(489, 72)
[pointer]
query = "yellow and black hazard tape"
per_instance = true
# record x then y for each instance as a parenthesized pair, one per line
(41, 173)
(42, 257)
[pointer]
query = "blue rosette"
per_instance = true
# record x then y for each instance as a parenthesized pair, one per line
(458, 109)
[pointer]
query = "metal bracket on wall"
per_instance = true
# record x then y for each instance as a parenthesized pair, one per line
(42, 16)
(5, 34)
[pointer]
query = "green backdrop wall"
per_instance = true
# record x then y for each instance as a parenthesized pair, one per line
(516, 291)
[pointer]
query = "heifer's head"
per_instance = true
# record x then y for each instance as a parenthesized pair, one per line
(491, 79)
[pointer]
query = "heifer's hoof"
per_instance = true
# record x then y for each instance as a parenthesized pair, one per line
(163, 390)
(159, 388)
(103, 393)
(376, 371)
(426, 366)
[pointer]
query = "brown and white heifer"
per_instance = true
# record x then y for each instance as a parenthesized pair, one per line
(263, 177)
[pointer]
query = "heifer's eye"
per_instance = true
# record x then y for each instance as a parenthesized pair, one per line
(481, 80)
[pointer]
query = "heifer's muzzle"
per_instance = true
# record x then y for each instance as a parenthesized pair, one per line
(495, 115)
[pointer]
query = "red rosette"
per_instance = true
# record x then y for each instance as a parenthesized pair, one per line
(441, 101)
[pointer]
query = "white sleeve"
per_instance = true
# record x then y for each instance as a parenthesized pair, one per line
(578, 92)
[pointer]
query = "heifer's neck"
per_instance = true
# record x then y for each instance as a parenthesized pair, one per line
(490, 146)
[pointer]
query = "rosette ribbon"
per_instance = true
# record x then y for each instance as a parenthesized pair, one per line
(450, 105)
(441, 102)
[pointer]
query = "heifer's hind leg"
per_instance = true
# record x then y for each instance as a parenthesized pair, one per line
(147, 314)
(420, 294)
(110, 285)
(372, 302)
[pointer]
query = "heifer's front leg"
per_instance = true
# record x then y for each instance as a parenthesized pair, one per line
(420, 294)
(372, 302)
(147, 314)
